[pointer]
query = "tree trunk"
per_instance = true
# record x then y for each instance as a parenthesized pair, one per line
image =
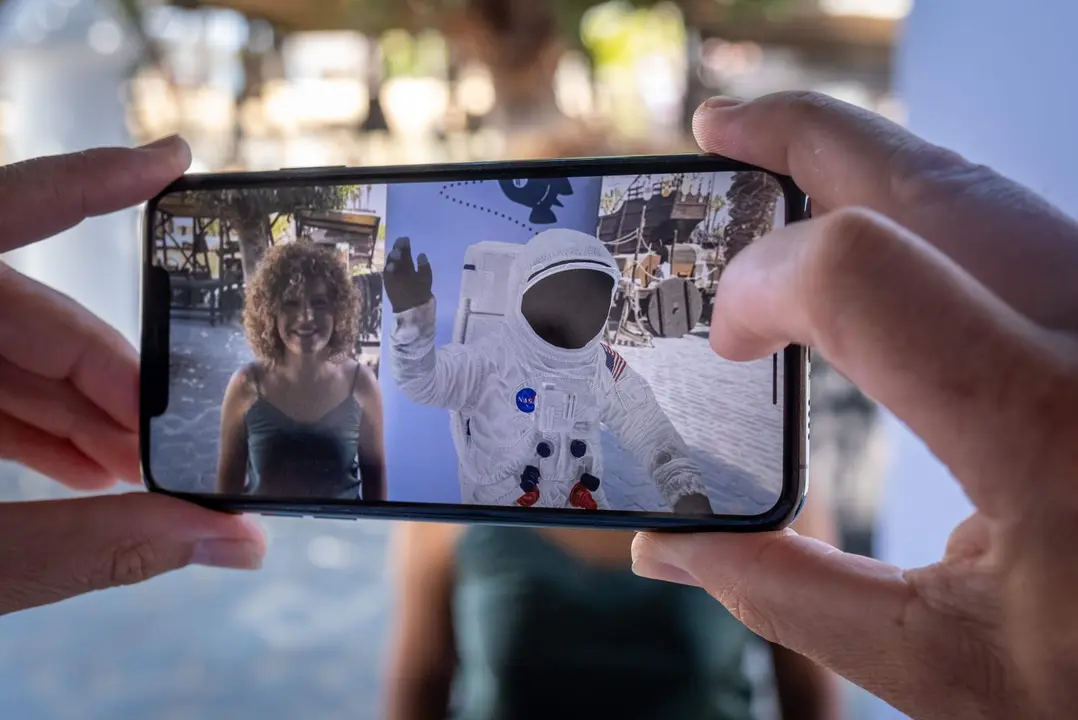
(518, 40)
(375, 121)
(524, 100)
(254, 235)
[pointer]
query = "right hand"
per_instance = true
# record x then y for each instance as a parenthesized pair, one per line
(694, 504)
(407, 286)
(948, 294)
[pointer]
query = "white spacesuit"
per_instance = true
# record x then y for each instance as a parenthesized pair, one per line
(528, 413)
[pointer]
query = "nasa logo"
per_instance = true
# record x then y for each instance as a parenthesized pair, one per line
(526, 400)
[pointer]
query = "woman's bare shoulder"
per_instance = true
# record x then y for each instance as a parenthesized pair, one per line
(243, 386)
(365, 383)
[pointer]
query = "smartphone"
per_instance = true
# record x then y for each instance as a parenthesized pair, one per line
(508, 342)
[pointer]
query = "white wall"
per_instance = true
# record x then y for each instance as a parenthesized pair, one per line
(994, 80)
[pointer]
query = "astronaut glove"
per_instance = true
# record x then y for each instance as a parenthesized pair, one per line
(407, 285)
(687, 495)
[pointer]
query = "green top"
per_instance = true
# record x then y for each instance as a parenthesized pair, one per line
(541, 633)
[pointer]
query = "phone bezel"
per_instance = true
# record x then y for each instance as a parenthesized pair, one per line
(795, 358)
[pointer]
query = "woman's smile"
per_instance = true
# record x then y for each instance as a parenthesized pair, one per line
(305, 322)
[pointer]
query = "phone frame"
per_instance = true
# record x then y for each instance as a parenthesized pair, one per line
(154, 357)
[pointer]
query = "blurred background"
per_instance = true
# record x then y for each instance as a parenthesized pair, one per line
(265, 84)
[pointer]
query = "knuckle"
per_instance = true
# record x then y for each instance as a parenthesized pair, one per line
(804, 102)
(847, 228)
(851, 242)
(743, 592)
(126, 563)
(922, 174)
(734, 599)
(1049, 392)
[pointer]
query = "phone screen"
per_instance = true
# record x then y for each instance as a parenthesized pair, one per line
(526, 344)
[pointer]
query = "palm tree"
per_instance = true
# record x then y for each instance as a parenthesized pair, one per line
(752, 200)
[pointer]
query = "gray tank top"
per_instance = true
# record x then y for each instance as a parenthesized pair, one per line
(303, 460)
(542, 634)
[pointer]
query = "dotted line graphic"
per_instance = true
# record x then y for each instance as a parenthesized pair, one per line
(444, 192)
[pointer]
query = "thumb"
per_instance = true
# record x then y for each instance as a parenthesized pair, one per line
(843, 611)
(55, 549)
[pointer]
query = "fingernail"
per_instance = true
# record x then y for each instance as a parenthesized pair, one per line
(722, 101)
(658, 570)
(160, 143)
(233, 554)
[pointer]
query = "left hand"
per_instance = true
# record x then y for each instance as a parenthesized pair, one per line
(69, 402)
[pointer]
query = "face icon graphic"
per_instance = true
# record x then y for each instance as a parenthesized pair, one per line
(569, 309)
(305, 320)
(542, 196)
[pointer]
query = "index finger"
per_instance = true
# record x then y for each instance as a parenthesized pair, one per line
(44, 196)
(915, 333)
(47, 333)
(1011, 240)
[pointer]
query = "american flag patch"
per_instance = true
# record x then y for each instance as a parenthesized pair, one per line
(615, 363)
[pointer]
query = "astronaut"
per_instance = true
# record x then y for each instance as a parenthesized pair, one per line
(532, 396)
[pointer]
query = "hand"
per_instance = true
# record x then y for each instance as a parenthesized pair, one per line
(693, 504)
(946, 292)
(407, 286)
(69, 403)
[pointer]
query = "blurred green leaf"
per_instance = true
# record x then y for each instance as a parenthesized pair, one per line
(375, 17)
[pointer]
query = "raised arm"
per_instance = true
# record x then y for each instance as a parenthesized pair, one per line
(448, 377)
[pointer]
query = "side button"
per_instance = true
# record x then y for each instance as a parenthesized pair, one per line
(312, 169)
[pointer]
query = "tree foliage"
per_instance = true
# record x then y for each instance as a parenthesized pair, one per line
(377, 16)
(251, 204)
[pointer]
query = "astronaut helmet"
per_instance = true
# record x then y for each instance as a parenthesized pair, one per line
(561, 286)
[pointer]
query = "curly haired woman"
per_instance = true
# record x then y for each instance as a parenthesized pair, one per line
(304, 420)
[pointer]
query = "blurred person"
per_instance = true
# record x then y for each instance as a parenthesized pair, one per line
(552, 623)
(304, 420)
(947, 293)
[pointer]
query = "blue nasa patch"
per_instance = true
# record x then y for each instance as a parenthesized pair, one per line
(526, 400)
